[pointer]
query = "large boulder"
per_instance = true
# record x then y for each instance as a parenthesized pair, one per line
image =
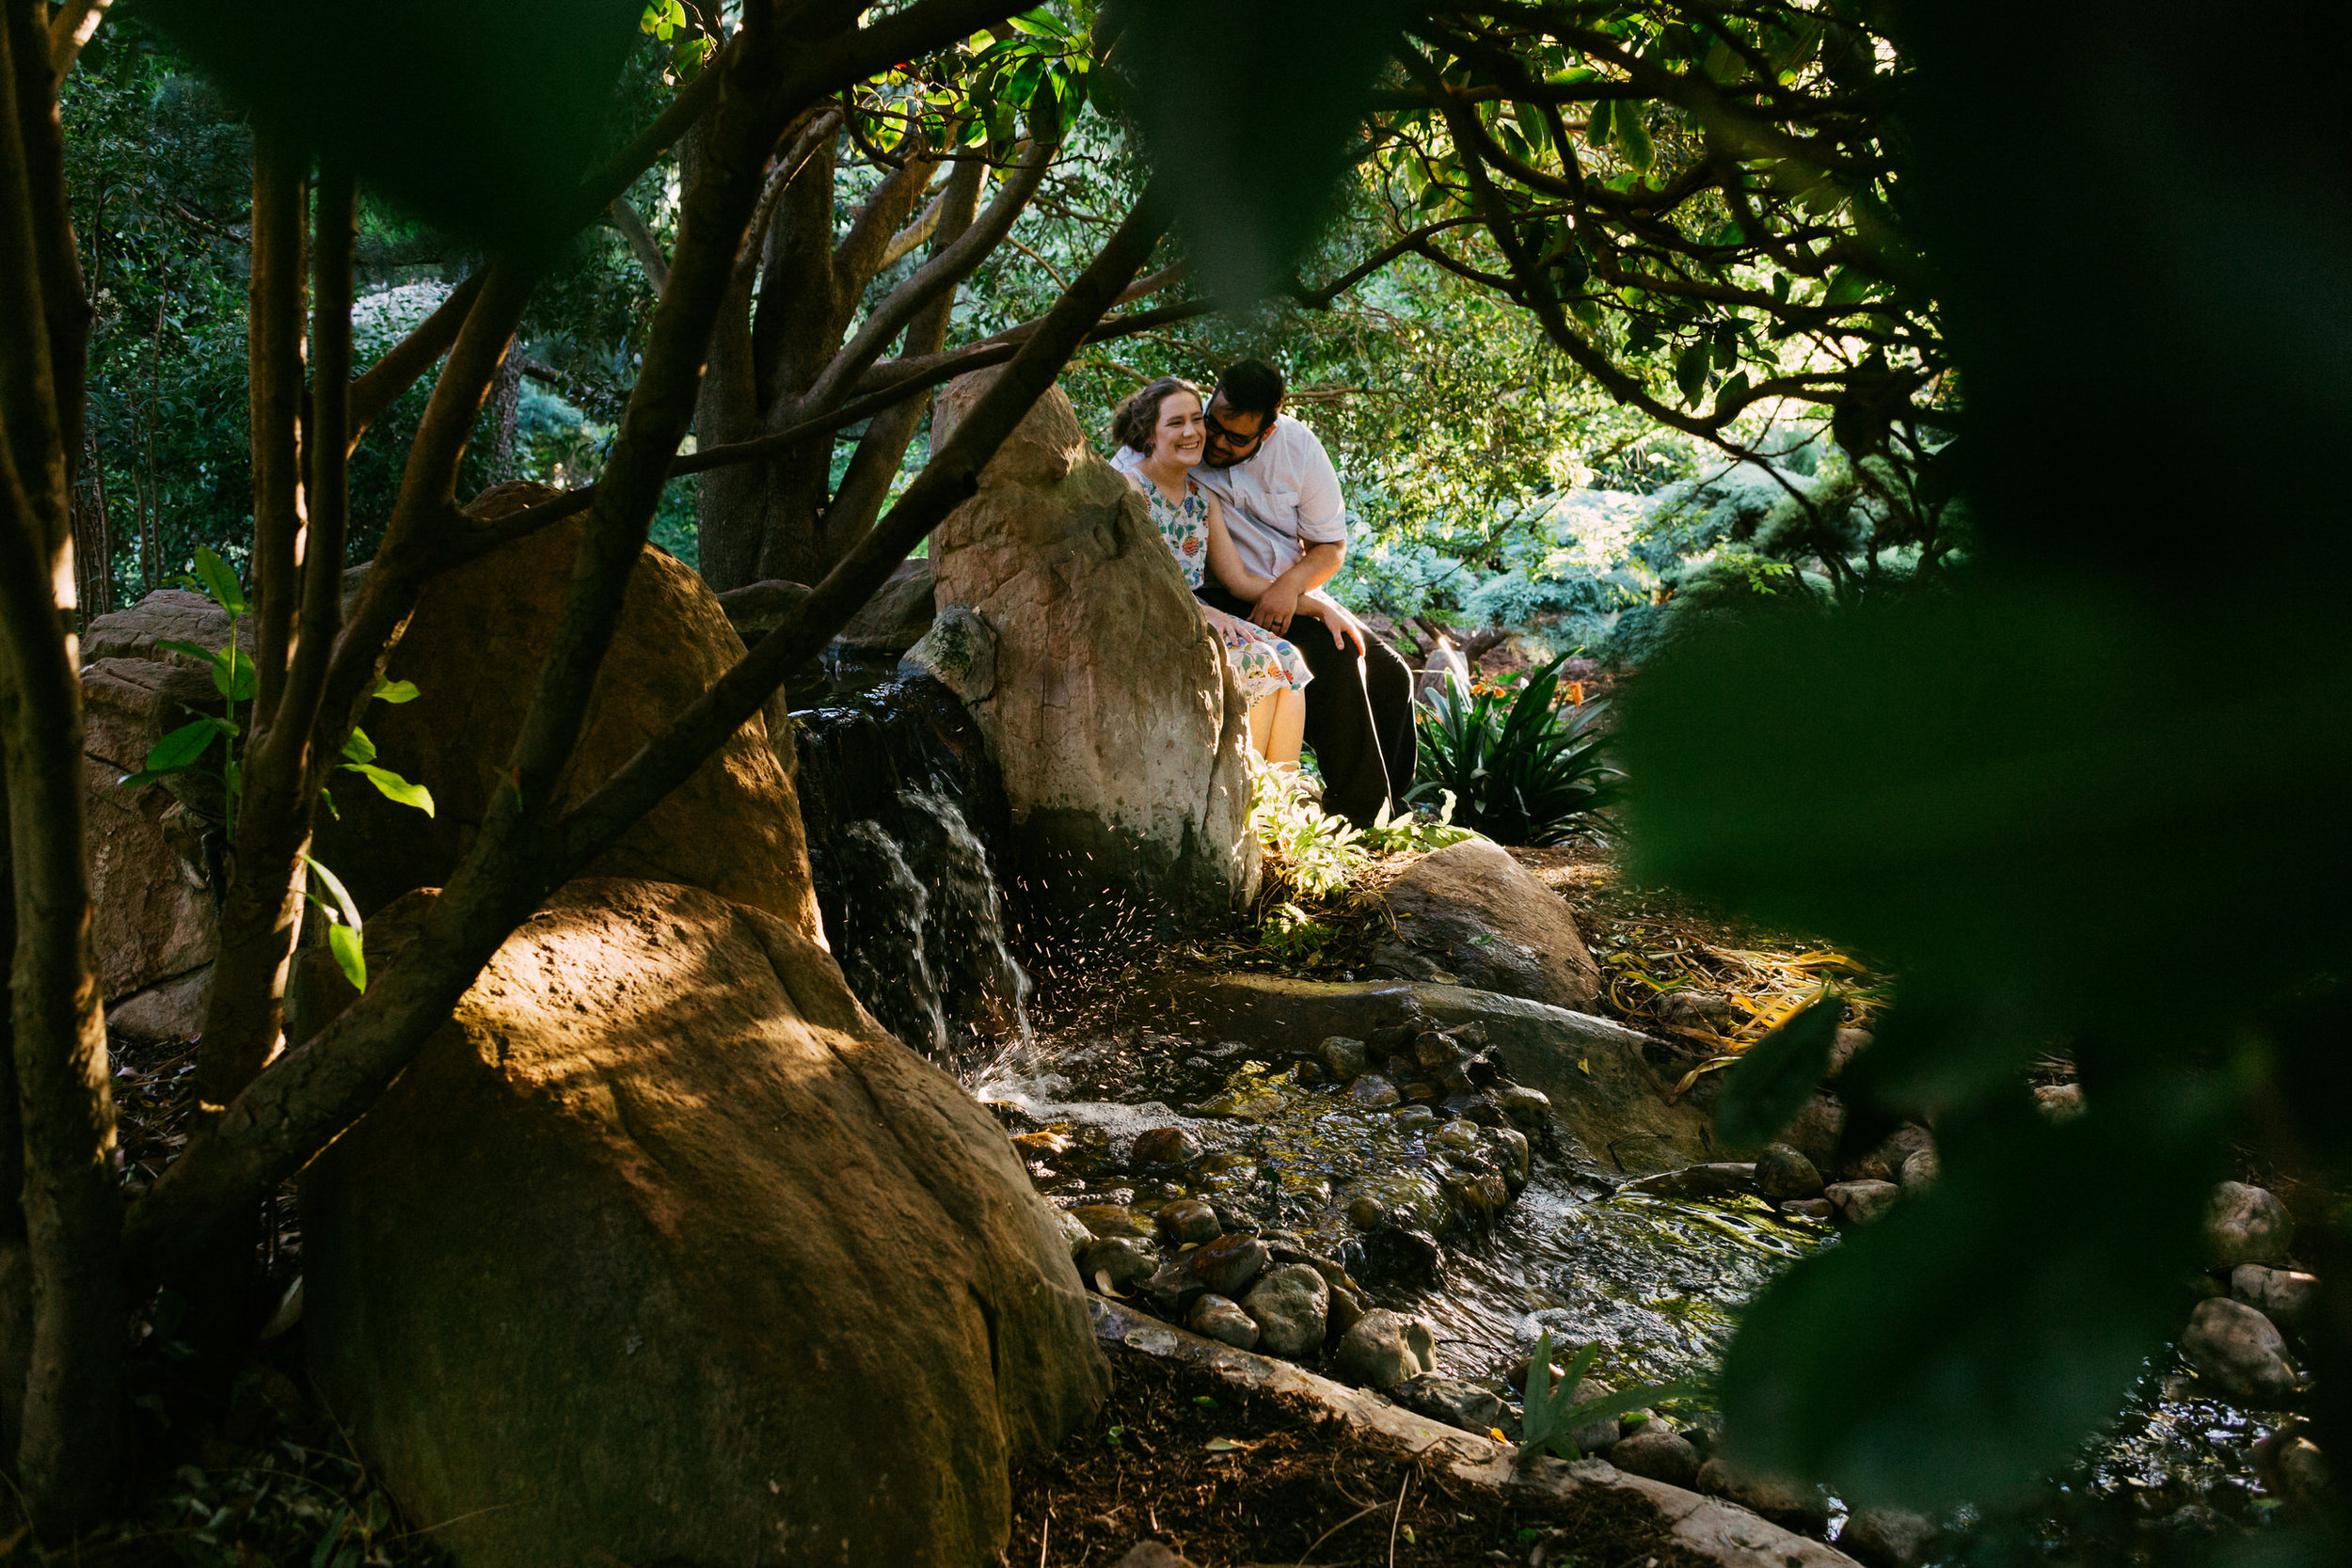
(1598, 1076)
(153, 929)
(1471, 916)
(896, 618)
(662, 1251)
(475, 647)
(1119, 727)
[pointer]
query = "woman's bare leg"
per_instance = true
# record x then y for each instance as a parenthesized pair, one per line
(1286, 729)
(1262, 713)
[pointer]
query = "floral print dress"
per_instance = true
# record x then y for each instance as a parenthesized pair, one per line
(1266, 663)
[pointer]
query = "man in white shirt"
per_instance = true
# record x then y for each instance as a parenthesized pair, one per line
(1288, 525)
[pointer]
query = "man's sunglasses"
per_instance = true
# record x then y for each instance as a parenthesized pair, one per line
(1233, 438)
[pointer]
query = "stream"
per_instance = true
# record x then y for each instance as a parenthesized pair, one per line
(902, 818)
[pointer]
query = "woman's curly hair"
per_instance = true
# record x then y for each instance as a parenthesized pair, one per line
(1133, 421)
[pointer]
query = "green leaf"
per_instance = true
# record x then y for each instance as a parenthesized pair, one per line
(1690, 368)
(1848, 286)
(1639, 1398)
(342, 905)
(218, 581)
(350, 957)
(1596, 125)
(394, 691)
(393, 787)
(359, 748)
(180, 748)
(1734, 387)
(1632, 138)
(1763, 1092)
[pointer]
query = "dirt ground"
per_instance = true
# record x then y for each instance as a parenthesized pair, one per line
(1244, 1479)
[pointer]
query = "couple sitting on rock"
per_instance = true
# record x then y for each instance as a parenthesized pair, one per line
(1248, 501)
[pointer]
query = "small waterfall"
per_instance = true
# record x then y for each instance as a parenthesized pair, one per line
(899, 800)
(880, 939)
(967, 926)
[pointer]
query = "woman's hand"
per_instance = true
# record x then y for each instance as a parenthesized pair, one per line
(1345, 630)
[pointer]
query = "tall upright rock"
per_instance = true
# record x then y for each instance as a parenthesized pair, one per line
(1113, 714)
(154, 849)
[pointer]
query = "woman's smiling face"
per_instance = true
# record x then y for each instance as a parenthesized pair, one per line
(1180, 434)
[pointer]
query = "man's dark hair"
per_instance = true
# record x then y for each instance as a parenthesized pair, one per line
(1252, 387)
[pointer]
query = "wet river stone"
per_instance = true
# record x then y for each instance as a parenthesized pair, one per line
(1372, 1090)
(1860, 1202)
(1289, 1305)
(1790, 1506)
(1342, 1057)
(1187, 1221)
(2281, 1295)
(1528, 1107)
(1111, 1219)
(1385, 1348)
(1126, 1261)
(2239, 1353)
(1783, 1173)
(1073, 1230)
(1163, 1148)
(1227, 1264)
(1214, 1316)
(1666, 1456)
(2246, 1225)
(1886, 1536)
(1451, 1401)
(1512, 1153)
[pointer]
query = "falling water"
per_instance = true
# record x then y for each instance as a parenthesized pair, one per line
(899, 802)
(880, 939)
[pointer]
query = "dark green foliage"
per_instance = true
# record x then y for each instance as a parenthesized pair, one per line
(484, 120)
(1252, 124)
(2007, 793)
(1520, 769)
(1775, 1076)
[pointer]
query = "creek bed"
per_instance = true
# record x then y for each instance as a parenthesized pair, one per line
(1655, 1278)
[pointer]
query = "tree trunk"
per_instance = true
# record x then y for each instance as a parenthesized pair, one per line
(766, 520)
(16, 1253)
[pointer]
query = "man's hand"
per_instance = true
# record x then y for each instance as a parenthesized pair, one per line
(1345, 630)
(1277, 605)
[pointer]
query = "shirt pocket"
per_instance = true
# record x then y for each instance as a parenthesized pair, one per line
(1282, 509)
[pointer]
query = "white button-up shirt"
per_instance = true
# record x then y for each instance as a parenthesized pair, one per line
(1279, 500)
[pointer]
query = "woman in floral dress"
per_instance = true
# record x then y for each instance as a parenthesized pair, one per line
(1163, 423)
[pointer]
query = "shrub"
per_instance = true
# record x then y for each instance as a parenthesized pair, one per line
(1520, 770)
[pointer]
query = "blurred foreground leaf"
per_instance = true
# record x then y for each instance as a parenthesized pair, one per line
(479, 118)
(1775, 1076)
(1966, 1343)
(1250, 119)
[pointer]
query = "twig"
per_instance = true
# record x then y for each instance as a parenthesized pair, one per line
(1045, 1534)
(1397, 1518)
(1332, 1531)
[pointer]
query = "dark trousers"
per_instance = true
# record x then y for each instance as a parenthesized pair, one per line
(1360, 715)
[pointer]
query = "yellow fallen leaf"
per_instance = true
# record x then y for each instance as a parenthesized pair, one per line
(1585, 1066)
